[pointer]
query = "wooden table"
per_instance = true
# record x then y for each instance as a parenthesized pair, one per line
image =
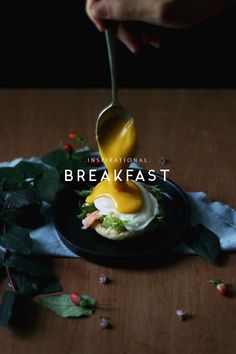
(195, 130)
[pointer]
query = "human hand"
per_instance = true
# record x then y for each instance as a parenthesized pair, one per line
(164, 13)
(131, 30)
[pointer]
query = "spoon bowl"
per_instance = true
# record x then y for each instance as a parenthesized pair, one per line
(110, 113)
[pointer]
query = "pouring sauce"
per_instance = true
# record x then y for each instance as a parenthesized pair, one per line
(116, 143)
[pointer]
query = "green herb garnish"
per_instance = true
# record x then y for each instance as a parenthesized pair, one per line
(157, 192)
(111, 221)
(158, 220)
(84, 193)
(86, 209)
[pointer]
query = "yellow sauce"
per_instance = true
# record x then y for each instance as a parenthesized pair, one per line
(117, 143)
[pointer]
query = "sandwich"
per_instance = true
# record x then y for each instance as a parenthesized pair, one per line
(108, 222)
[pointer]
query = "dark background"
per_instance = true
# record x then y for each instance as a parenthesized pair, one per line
(60, 47)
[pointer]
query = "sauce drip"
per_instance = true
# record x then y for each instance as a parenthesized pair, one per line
(117, 143)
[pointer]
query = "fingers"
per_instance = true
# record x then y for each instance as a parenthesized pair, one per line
(99, 22)
(147, 11)
(156, 43)
(131, 39)
(132, 34)
(101, 10)
(119, 10)
(136, 36)
(166, 13)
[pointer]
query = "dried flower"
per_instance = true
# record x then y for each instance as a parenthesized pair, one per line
(162, 160)
(103, 279)
(183, 315)
(104, 323)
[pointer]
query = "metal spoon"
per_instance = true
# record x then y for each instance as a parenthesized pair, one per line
(114, 110)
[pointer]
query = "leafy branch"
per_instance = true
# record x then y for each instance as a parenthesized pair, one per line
(23, 190)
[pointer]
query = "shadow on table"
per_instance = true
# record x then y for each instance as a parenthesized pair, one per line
(25, 317)
(156, 261)
(26, 312)
(145, 263)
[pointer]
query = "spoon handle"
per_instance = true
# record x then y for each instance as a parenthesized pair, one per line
(110, 35)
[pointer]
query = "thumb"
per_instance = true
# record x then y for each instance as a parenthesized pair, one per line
(119, 10)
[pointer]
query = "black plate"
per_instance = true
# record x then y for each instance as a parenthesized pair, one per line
(90, 245)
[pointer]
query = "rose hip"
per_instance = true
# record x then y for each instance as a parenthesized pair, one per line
(75, 298)
(72, 135)
(68, 148)
(221, 287)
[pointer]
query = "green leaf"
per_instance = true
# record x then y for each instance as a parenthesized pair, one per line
(21, 198)
(205, 243)
(84, 193)
(10, 178)
(48, 184)
(17, 239)
(46, 178)
(61, 160)
(27, 265)
(63, 306)
(2, 256)
(6, 307)
(28, 217)
(58, 159)
(80, 139)
(30, 169)
(79, 159)
(82, 156)
(52, 287)
(87, 301)
(30, 285)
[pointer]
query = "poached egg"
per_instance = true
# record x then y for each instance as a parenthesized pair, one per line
(133, 221)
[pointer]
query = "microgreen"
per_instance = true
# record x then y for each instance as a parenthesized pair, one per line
(111, 221)
(157, 192)
(85, 209)
(84, 192)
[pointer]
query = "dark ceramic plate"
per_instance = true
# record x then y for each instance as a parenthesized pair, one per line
(88, 244)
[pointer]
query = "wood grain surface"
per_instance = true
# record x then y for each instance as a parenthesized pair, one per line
(195, 130)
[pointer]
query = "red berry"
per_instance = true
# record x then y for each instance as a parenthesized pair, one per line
(68, 148)
(72, 135)
(75, 298)
(222, 288)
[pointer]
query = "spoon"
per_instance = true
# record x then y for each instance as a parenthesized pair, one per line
(114, 110)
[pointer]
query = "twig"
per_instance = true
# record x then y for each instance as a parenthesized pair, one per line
(10, 279)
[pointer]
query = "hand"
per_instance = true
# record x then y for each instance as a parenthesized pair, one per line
(133, 34)
(165, 13)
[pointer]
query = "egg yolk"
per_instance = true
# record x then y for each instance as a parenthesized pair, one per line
(117, 143)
